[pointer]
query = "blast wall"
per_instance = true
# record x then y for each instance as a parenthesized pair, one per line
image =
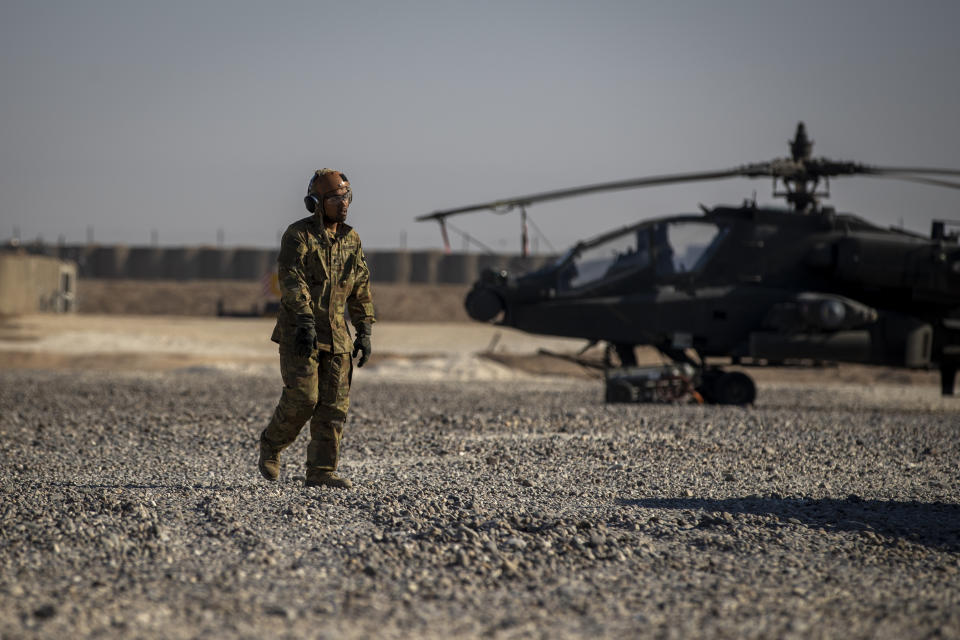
(389, 266)
(424, 266)
(245, 263)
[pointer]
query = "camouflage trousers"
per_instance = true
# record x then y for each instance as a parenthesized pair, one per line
(316, 389)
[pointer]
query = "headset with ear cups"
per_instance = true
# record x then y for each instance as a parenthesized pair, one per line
(324, 181)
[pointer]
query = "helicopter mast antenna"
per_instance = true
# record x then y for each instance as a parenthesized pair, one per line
(801, 146)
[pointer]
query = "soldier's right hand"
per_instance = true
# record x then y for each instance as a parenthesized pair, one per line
(305, 340)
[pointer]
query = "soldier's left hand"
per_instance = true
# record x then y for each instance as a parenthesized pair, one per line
(362, 344)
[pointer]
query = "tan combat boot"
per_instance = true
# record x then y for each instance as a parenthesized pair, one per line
(323, 455)
(327, 479)
(269, 463)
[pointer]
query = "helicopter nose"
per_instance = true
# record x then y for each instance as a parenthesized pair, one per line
(483, 305)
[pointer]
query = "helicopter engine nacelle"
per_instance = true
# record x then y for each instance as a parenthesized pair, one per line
(928, 270)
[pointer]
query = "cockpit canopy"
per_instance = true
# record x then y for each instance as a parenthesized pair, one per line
(668, 247)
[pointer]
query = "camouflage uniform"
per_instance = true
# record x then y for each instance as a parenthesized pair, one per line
(320, 274)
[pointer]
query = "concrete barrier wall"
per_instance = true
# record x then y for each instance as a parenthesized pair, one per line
(246, 263)
(180, 263)
(458, 268)
(252, 264)
(109, 262)
(144, 263)
(32, 283)
(389, 266)
(424, 266)
(214, 264)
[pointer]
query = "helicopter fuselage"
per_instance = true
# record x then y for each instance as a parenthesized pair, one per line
(746, 282)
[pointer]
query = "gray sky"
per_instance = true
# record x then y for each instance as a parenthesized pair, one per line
(186, 117)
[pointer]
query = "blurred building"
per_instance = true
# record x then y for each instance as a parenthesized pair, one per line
(31, 283)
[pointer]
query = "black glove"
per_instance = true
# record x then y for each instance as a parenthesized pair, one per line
(362, 343)
(305, 338)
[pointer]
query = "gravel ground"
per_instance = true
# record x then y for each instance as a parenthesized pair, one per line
(130, 506)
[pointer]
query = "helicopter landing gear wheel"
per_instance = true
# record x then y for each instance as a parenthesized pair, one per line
(620, 391)
(734, 387)
(948, 377)
(727, 387)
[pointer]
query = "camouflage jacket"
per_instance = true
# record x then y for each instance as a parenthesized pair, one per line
(320, 275)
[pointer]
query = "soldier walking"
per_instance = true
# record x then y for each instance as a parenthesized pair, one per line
(321, 271)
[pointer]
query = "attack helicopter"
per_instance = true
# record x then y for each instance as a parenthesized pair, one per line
(755, 284)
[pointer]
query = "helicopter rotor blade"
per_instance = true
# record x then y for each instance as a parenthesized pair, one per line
(918, 179)
(929, 170)
(786, 169)
(502, 206)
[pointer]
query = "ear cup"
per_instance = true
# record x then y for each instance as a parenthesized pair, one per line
(311, 202)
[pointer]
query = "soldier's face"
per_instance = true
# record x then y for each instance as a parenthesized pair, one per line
(335, 206)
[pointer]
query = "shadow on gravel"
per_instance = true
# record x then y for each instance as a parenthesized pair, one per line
(932, 524)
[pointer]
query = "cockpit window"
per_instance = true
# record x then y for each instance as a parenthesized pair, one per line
(622, 254)
(685, 246)
(671, 247)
